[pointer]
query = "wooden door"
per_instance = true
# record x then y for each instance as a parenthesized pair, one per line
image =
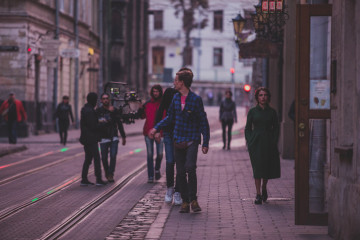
(313, 55)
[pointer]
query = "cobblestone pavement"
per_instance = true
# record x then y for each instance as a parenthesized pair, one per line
(138, 221)
(226, 193)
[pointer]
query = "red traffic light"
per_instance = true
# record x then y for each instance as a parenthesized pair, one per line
(29, 49)
(232, 70)
(247, 88)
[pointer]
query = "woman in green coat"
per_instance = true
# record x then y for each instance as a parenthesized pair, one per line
(262, 133)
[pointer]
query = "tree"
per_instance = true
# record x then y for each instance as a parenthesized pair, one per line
(188, 9)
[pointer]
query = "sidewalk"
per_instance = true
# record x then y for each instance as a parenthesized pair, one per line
(226, 193)
(53, 138)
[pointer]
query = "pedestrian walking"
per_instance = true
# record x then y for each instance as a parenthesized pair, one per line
(89, 137)
(172, 193)
(187, 113)
(148, 111)
(12, 110)
(110, 121)
(227, 116)
(262, 134)
(63, 112)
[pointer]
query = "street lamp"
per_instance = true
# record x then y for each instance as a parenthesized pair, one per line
(238, 23)
(269, 19)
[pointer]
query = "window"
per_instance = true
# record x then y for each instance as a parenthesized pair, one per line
(218, 20)
(188, 56)
(158, 20)
(217, 56)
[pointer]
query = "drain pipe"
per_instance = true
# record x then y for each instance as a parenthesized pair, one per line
(76, 94)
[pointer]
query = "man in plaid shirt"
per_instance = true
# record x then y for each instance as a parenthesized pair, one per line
(187, 114)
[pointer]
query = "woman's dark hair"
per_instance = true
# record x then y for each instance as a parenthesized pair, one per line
(185, 75)
(257, 91)
(228, 91)
(167, 97)
(157, 87)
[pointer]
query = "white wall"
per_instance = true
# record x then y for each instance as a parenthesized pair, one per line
(173, 39)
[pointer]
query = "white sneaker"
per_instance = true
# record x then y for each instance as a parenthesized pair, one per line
(177, 199)
(169, 195)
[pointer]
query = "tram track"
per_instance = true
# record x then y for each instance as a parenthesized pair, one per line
(31, 171)
(49, 192)
(85, 210)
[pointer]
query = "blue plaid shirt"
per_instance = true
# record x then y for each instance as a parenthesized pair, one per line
(189, 123)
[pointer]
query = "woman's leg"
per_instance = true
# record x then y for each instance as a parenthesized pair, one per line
(230, 124)
(264, 184)
(150, 156)
(223, 125)
(258, 185)
(264, 193)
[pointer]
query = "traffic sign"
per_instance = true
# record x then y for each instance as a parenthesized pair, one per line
(50, 48)
(70, 53)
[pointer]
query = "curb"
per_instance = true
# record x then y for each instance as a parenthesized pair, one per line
(10, 150)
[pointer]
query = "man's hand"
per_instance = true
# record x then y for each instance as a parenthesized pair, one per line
(152, 133)
(111, 108)
(157, 137)
(205, 150)
(123, 141)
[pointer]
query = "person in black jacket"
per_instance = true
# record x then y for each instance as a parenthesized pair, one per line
(110, 119)
(227, 117)
(89, 137)
(63, 111)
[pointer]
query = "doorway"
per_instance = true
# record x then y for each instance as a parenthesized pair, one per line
(312, 153)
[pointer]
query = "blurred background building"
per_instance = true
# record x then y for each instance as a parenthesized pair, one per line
(210, 51)
(51, 48)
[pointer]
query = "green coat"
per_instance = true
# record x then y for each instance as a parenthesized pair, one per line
(262, 134)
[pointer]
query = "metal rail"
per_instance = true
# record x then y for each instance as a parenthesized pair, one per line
(77, 216)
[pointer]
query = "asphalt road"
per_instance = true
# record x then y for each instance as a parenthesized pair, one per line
(41, 196)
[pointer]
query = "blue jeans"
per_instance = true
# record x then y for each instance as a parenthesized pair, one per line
(170, 161)
(150, 155)
(12, 131)
(104, 156)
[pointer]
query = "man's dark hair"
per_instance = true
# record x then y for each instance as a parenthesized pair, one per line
(228, 91)
(103, 94)
(65, 97)
(185, 75)
(92, 98)
(157, 87)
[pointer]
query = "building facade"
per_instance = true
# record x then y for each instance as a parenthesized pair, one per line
(213, 51)
(38, 81)
(93, 41)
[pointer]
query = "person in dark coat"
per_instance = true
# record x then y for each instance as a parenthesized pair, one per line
(89, 137)
(227, 116)
(262, 134)
(111, 118)
(63, 112)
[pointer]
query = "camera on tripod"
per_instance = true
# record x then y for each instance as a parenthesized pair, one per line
(128, 102)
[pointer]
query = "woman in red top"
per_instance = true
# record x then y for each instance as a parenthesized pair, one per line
(149, 110)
